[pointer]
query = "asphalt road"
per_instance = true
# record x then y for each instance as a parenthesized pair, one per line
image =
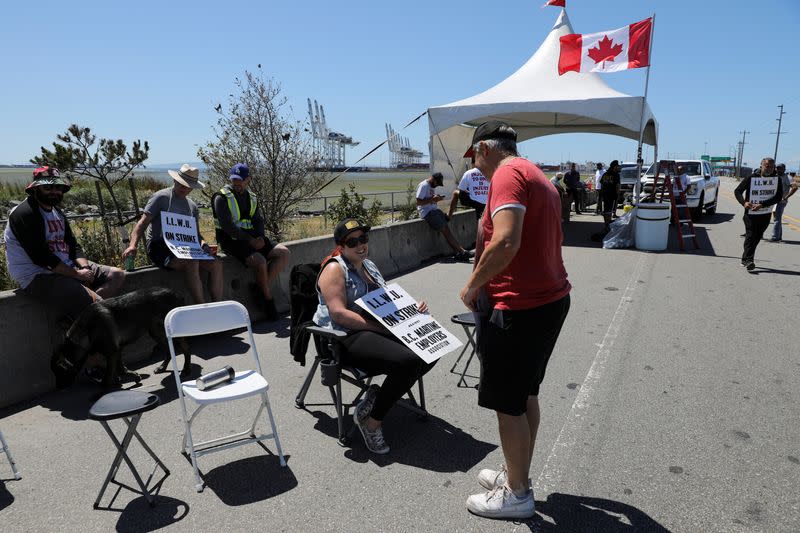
(670, 404)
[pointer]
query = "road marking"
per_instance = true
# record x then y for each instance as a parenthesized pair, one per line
(559, 455)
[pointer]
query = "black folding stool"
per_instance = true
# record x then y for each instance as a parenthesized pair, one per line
(129, 406)
(466, 321)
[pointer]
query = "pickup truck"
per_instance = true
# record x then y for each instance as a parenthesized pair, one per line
(703, 190)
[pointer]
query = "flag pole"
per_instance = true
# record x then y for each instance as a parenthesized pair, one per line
(637, 187)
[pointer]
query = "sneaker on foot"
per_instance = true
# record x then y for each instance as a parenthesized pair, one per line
(750, 266)
(501, 502)
(373, 438)
(364, 407)
(491, 479)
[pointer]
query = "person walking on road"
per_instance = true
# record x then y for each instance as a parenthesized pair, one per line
(520, 294)
(609, 192)
(789, 188)
(755, 193)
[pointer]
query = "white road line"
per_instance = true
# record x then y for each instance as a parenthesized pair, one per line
(559, 455)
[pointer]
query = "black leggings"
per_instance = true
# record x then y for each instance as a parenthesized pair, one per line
(378, 354)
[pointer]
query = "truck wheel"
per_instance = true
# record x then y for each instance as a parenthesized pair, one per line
(697, 212)
(713, 209)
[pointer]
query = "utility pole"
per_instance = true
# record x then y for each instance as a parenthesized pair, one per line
(741, 153)
(778, 133)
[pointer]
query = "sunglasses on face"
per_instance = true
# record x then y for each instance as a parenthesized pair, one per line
(53, 188)
(352, 242)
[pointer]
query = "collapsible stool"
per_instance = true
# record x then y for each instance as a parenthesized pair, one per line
(4, 448)
(466, 321)
(202, 319)
(129, 406)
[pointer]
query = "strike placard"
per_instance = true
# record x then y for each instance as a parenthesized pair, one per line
(761, 190)
(397, 310)
(181, 236)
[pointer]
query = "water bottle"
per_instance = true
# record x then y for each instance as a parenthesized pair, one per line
(217, 377)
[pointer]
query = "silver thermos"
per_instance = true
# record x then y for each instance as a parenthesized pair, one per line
(217, 377)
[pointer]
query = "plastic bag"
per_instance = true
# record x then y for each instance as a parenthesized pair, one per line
(621, 232)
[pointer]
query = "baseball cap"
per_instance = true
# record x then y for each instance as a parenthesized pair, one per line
(239, 171)
(493, 129)
(346, 227)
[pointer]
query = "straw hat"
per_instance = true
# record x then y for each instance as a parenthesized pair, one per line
(187, 176)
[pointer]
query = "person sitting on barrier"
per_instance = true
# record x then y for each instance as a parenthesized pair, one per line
(346, 276)
(471, 192)
(240, 233)
(176, 200)
(45, 259)
(435, 217)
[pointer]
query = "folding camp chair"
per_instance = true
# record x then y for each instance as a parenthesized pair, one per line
(466, 321)
(4, 448)
(303, 303)
(202, 319)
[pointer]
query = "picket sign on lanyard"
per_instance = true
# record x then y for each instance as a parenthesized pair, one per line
(393, 307)
(761, 190)
(181, 236)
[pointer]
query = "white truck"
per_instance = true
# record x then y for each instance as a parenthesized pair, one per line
(703, 190)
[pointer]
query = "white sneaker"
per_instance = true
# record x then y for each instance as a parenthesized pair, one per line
(491, 479)
(501, 502)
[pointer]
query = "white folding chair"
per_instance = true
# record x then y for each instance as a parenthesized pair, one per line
(202, 319)
(4, 449)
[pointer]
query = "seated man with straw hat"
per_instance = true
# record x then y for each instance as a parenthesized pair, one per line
(174, 203)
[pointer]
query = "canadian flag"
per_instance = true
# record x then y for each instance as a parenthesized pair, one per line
(607, 51)
(559, 3)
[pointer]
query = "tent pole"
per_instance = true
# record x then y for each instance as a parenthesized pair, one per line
(446, 155)
(638, 185)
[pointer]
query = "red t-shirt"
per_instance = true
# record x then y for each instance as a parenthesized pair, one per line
(536, 276)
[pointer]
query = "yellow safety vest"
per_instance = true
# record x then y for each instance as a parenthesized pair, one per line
(236, 214)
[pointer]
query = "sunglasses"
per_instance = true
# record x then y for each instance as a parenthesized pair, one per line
(352, 242)
(54, 188)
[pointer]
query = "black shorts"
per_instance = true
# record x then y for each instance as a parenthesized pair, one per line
(159, 254)
(66, 295)
(241, 250)
(514, 348)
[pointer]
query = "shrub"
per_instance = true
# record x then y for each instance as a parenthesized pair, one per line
(408, 211)
(351, 205)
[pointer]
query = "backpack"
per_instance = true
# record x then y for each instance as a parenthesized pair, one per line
(303, 301)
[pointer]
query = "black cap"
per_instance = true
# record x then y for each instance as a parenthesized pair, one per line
(346, 227)
(438, 178)
(493, 129)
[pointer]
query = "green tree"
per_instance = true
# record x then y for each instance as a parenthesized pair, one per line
(107, 161)
(351, 205)
(256, 127)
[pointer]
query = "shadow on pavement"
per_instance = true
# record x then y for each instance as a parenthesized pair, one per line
(716, 218)
(6, 498)
(581, 514)
(138, 516)
(413, 441)
(578, 231)
(250, 480)
(764, 270)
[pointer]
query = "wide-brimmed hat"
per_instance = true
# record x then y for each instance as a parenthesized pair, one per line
(47, 176)
(187, 176)
(493, 129)
(346, 227)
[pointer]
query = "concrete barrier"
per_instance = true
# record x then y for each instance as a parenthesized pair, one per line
(28, 331)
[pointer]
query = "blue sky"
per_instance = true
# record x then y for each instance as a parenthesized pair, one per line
(155, 70)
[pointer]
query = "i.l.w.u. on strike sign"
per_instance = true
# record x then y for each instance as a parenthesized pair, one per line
(397, 310)
(181, 236)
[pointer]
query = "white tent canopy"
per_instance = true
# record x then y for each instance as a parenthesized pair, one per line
(536, 101)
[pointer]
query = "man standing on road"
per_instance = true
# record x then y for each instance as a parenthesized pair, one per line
(789, 188)
(44, 257)
(240, 233)
(435, 217)
(598, 185)
(755, 193)
(520, 293)
(572, 179)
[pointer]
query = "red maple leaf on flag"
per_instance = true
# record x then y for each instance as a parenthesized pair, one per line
(605, 51)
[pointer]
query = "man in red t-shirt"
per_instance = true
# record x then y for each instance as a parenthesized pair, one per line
(520, 293)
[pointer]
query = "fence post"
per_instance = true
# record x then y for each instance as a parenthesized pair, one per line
(325, 212)
(133, 196)
(392, 206)
(103, 214)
